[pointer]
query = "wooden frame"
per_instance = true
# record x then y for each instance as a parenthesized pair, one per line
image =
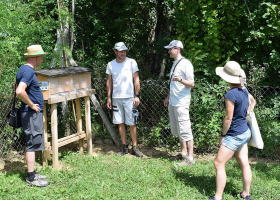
(52, 148)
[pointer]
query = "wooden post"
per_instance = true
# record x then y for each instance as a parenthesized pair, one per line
(45, 123)
(88, 125)
(79, 122)
(54, 135)
(105, 120)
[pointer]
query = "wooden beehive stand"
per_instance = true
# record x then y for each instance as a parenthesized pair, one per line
(59, 85)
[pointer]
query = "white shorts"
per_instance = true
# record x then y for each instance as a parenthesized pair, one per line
(180, 123)
(124, 111)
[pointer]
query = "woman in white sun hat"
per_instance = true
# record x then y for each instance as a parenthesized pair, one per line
(235, 132)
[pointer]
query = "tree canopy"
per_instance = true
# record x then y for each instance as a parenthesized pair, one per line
(212, 32)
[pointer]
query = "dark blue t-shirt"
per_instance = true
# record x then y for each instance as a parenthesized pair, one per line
(239, 122)
(27, 75)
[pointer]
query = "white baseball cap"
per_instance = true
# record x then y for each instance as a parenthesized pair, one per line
(174, 43)
(120, 46)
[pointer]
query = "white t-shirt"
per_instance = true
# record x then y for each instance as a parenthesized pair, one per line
(122, 75)
(180, 95)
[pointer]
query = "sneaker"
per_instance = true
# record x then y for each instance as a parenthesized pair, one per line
(38, 182)
(248, 197)
(137, 152)
(124, 150)
(186, 162)
(178, 157)
(40, 176)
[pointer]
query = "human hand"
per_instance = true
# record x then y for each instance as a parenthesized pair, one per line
(175, 77)
(136, 101)
(221, 140)
(109, 104)
(36, 108)
(166, 101)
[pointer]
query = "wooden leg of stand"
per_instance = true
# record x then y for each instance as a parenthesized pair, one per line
(44, 158)
(54, 136)
(79, 123)
(88, 125)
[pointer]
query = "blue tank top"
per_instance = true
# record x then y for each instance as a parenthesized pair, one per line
(239, 123)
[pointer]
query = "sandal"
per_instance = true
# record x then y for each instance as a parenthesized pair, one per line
(214, 198)
(248, 197)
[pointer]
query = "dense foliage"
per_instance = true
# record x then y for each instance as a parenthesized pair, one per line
(212, 33)
(218, 31)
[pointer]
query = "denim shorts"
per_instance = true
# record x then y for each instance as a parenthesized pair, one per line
(234, 142)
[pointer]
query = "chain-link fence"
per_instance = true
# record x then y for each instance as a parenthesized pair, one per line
(206, 112)
(11, 141)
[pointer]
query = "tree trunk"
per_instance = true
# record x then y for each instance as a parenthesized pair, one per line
(163, 64)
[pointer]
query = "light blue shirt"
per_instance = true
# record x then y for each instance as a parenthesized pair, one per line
(180, 95)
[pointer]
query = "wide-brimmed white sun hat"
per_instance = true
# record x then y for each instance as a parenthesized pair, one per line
(174, 43)
(232, 73)
(34, 51)
(120, 46)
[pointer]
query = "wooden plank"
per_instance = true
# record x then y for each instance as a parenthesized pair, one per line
(45, 156)
(79, 123)
(70, 136)
(78, 137)
(69, 96)
(88, 125)
(54, 136)
(106, 121)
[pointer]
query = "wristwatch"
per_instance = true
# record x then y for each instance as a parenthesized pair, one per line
(180, 80)
(223, 135)
(137, 95)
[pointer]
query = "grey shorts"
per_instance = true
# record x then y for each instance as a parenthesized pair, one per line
(180, 123)
(124, 111)
(32, 124)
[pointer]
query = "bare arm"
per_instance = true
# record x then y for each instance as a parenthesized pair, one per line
(109, 90)
(228, 118)
(136, 101)
(20, 91)
(229, 114)
(184, 81)
(166, 101)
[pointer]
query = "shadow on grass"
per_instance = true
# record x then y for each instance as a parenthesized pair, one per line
(206, 185)
(270, 171)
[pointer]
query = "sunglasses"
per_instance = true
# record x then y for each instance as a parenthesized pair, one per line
(172, 48)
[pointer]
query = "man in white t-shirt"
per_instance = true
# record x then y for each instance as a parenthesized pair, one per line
(178, 101)
(121, 98)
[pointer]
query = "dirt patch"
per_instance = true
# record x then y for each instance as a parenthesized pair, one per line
(16, 162)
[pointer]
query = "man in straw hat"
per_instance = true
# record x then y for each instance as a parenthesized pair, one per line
(235, 132)
(32, 106)
(178, 102)
(121, 72)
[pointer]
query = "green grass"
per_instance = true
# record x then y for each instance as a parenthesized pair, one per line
(115, 177)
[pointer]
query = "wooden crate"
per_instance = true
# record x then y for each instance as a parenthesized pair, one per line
(60, 81)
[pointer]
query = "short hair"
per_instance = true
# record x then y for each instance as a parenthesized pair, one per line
(181, 50)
